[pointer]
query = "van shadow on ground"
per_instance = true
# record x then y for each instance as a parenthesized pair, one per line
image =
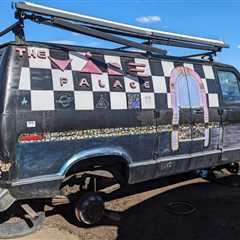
(217, 215)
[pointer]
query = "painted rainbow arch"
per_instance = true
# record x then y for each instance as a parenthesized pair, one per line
(187, 74)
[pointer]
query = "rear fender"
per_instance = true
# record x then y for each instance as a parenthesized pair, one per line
(93, 153)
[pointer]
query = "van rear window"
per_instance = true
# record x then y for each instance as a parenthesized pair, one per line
(230, 87)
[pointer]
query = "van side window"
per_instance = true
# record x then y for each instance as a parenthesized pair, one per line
(188, 92)
(230, 87)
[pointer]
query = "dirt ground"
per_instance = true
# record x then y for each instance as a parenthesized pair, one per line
(145, 216)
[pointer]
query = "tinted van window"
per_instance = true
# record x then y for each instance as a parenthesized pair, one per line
(230, 86)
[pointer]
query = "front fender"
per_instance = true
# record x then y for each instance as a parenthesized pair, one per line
(96, 152)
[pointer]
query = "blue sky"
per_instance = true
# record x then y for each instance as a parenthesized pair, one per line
(218, 19)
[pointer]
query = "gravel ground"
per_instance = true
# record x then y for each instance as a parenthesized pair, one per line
(145, 216)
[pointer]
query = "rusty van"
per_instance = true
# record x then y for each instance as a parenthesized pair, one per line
(72, 113)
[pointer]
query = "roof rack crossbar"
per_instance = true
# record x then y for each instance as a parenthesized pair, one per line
(17, 29)
(82, 29)
(190, 45)
(105, 36)
(162, 41)
(10, 28)
(209, 55)
(126, 47)
(115, 28)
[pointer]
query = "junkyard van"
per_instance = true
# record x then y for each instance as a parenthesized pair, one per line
(70, 111)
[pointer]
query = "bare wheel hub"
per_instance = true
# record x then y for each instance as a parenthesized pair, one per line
(90, 208)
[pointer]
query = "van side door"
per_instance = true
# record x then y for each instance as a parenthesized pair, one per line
(174, 120)
(230, 101)
(206, 122)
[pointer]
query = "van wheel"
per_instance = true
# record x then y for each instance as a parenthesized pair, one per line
(90, 208)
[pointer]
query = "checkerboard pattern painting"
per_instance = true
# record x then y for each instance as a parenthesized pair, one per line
(58, 80)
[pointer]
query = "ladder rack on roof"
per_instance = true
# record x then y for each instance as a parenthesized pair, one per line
(112, 31)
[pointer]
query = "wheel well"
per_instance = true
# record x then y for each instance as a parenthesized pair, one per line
(115, 165)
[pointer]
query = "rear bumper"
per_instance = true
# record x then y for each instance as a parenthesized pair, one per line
(33, 188)
(6, 199)
(46, 186)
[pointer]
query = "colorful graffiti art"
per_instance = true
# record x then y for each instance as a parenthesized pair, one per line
(187, 92)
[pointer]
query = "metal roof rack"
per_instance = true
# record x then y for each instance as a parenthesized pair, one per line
(111, 31)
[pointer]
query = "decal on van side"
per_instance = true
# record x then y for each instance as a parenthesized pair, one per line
(188, 92)
(196, 93)
(114, 132)
(55, 80)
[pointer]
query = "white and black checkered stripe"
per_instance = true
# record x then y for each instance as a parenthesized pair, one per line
(40, 88)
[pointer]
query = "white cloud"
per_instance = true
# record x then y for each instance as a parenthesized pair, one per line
(148, 19)
(239, 46)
